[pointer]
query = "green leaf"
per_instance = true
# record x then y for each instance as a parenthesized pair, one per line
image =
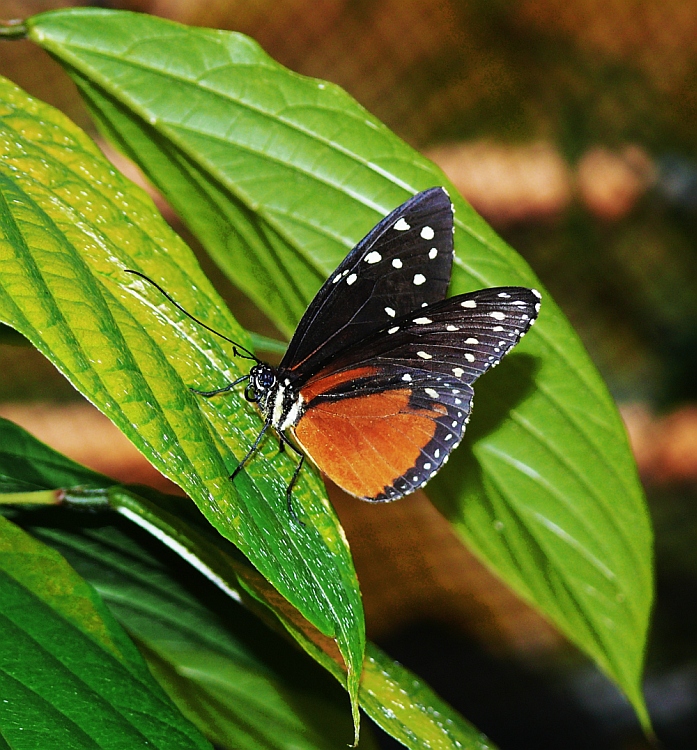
(220, 665)
(423, 719)
(544, 490)
(69, 676)
(238, 682)
(27, 465)
(194, 647)
(69, 226)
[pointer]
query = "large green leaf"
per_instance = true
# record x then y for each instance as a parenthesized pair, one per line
(268, 167)
(69, 226)
(243, 686)
(69, 676)
(216, 665)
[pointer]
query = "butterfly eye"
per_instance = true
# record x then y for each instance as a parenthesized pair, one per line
(264, 378)
(250, 394)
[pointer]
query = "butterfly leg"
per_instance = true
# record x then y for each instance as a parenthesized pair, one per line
(250, 452)
(289, 491)
(228, 387)
(294, 478)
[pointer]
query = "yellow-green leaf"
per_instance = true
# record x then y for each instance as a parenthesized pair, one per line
(70, 226)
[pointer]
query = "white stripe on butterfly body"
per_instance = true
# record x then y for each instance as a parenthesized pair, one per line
(281, 404)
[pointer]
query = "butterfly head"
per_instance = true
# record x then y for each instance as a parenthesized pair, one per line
(262, 379)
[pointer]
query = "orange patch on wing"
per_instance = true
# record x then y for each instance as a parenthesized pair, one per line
(321, 384)
(365, 444)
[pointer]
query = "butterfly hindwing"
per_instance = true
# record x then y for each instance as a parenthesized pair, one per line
(384, 416)
(403, 262)
(382, 443)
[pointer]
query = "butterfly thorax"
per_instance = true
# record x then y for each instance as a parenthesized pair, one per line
(278, 399)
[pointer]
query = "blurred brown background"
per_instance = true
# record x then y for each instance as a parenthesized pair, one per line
(572, 127)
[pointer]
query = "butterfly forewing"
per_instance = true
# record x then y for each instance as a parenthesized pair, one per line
(385, 414)
(402, 264)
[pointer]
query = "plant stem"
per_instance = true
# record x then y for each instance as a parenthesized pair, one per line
(13, 29)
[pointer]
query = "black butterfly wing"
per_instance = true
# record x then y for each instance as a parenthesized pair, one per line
(383, 417)
(401, 264)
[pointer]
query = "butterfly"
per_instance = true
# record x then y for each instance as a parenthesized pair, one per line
(376, 384)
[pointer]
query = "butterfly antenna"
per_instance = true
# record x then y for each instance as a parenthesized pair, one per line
(237, 349)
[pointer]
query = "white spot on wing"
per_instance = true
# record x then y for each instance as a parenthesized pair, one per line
(458, 372)
(406, 377)
(468, 303)
(393, 330)
(433, 252)
(390, 312)
(427, 233)
(336, 279)
(504, 295)
(419, 279)
(431, 392)
(471, 340)
(469, 357)
(536, 293)
(373, 257)
(397, 263)
(424, 355)
(401, 225)
(451, 328)
(422, 321)
(497, 315)
(351, 279)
